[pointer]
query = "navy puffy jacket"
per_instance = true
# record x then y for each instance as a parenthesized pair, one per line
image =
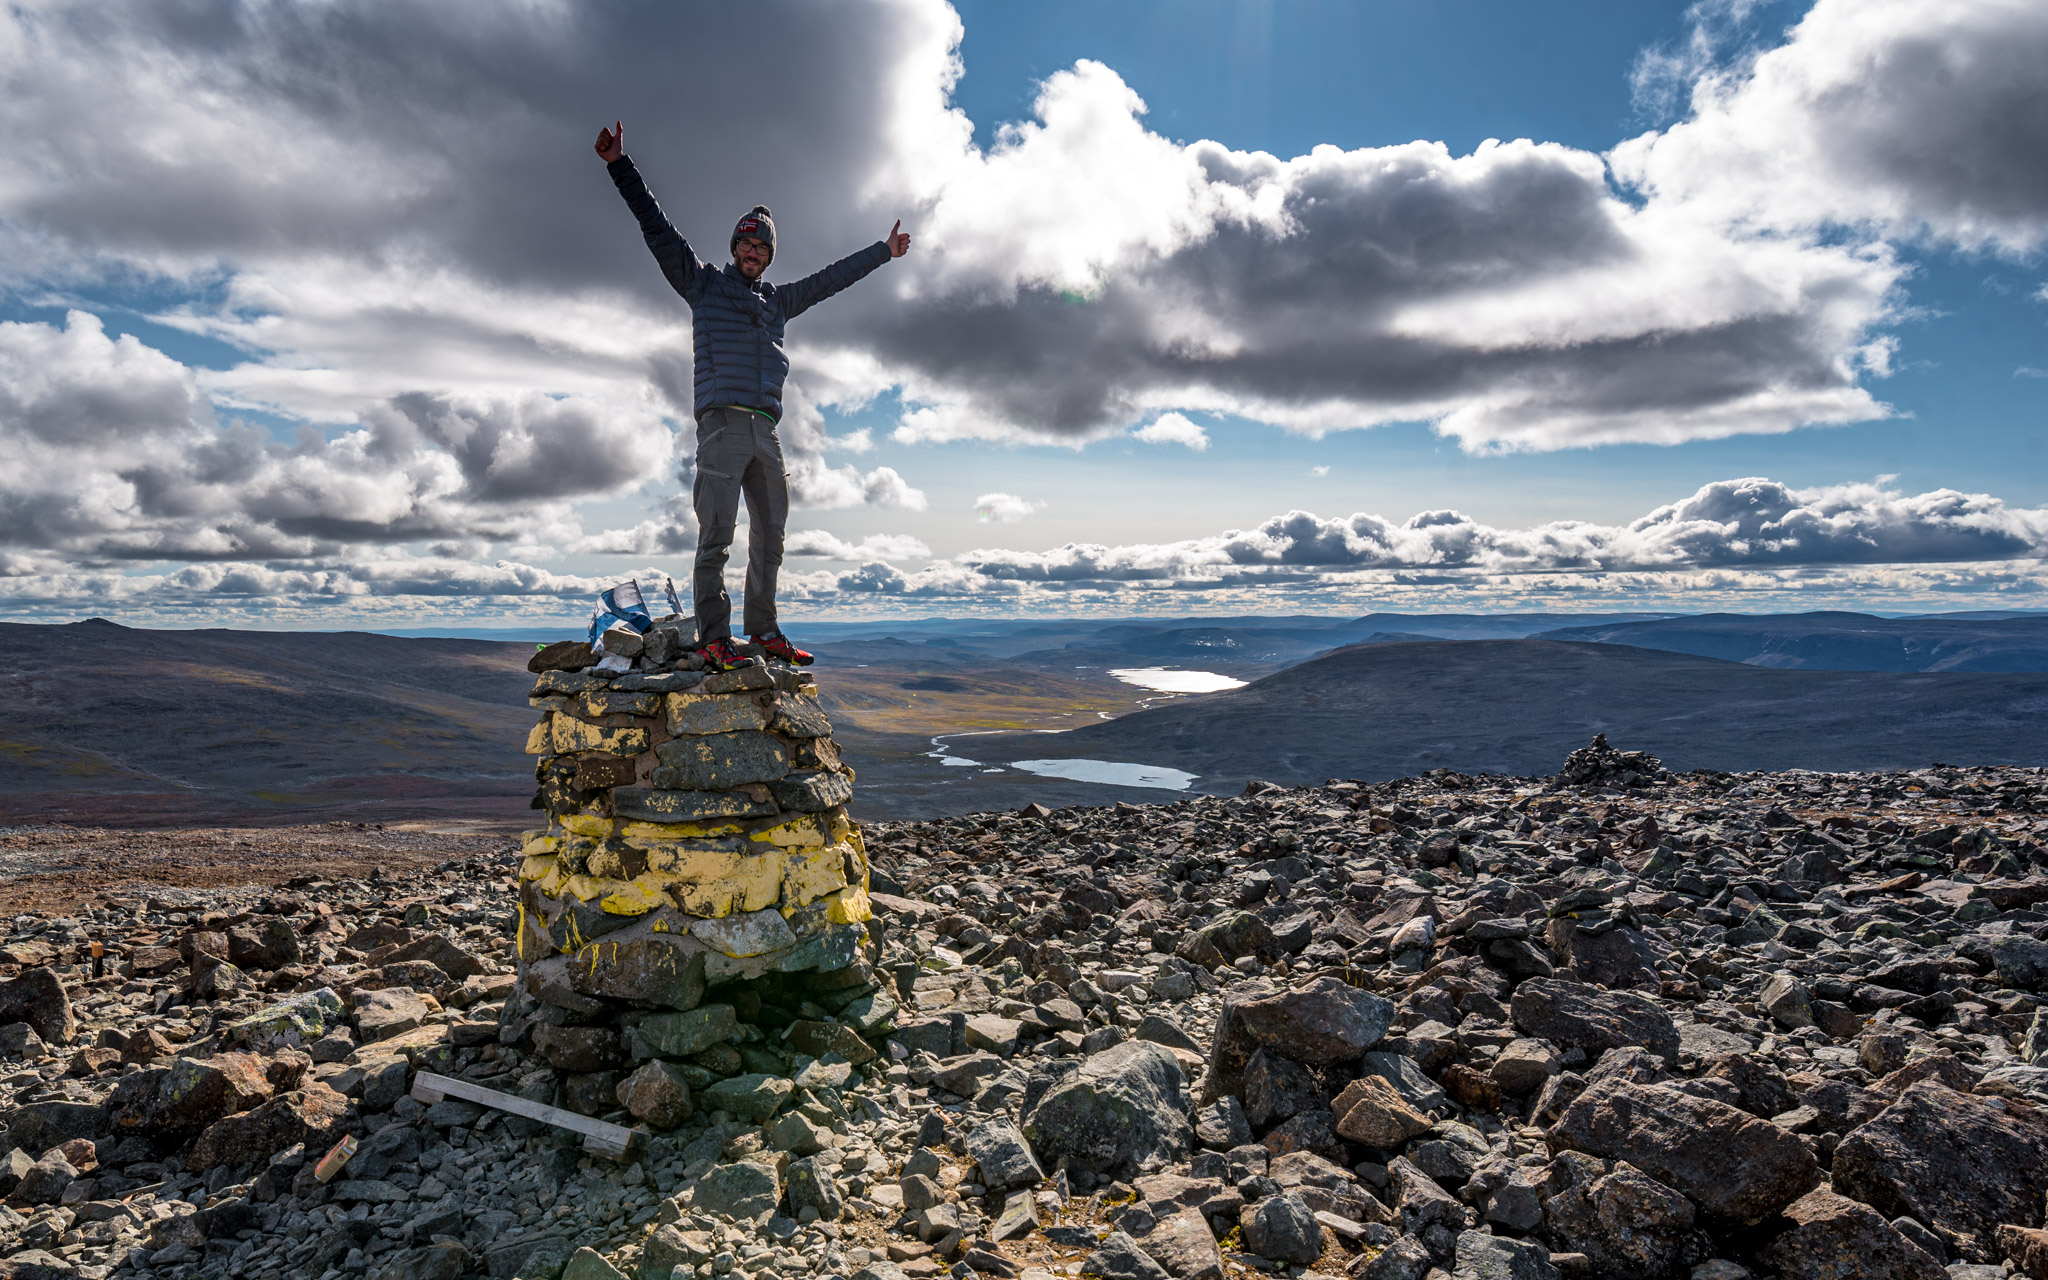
(736, 325)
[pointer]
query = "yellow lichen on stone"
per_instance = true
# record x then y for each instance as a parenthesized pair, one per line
(687, 861)
(804, 831)
(582, 888)
(808, 876)
(540, 740)
(700, 713)
(537, 866)
(610, 702)
(715, 885)
(605, 861)
(531, 941)
(636, 897)
(849, 906)
(653, 832)
(551, 884)
(572, 735)
(535, 844)
(586, 824)
(574, 853)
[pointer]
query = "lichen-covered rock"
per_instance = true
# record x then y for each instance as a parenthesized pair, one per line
(38, 1126)
(1003, 1157)
(1118, 1257)
(1488, 1257)
(720, 761)
(812, 1186)
(2022, 963)
(269, 943)
(293, 1022)
(678, 1035)
(188, 1094)
(380, 1015)
(753, 1097)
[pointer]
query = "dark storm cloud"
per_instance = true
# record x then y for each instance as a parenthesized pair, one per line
(254, 132)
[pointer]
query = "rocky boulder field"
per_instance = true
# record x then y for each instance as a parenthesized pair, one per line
(1610, 1023)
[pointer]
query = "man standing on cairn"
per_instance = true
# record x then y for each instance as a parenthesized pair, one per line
(736, 320)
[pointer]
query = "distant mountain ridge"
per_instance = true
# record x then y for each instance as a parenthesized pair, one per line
(1830, 641)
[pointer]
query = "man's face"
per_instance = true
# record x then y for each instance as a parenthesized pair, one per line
(752, 257)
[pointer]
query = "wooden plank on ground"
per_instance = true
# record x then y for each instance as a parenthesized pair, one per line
(600, 1137)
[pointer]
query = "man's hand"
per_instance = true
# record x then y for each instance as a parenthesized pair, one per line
(899, 243)
(611, 144)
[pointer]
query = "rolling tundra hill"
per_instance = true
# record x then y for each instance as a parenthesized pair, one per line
(108, 723)
(1375, 711)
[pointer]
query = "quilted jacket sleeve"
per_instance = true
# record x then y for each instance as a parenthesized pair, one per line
(799, 296)
(685, 271)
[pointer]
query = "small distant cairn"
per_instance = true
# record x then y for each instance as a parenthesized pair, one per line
(697, 840)
(1599, 765)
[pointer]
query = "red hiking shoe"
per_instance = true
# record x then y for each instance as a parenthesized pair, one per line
(778, 646)
(719, 655)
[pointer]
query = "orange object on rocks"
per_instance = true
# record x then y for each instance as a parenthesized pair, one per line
(337, 1156)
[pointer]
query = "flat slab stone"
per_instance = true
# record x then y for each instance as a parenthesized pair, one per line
(1700, 1040)
(812, 792)
(720, 761)
(650, 804)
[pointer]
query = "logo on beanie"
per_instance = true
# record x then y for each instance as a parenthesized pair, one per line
(748, 226)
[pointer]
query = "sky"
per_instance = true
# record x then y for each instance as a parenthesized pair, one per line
(327, 316)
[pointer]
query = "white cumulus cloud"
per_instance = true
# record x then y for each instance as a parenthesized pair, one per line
(876, 546)
(1173, 428)
(1004, 508)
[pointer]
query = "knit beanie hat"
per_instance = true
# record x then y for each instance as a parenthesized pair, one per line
(759, 224)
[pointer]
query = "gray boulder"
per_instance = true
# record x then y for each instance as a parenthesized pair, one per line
(1832, 1236)
(1727, 1161)
(1119, 1115)
(1326, 1021)
(742, 1189)
(1284, 1229)
(1627, 1223)
(2022, 963)
(1961, 1163)
(38, 998)
(1575, 1016)
(1005, 1158)
(1118, 1257)
(1485, 1257)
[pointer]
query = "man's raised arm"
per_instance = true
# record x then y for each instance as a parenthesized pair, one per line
(799, 296)
(678, 262)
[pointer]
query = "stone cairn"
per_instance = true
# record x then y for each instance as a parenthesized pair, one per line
(697, 840)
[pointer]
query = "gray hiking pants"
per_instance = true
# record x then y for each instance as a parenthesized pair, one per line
(737, 453)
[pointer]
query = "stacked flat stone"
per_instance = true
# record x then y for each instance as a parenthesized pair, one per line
(697, 834)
